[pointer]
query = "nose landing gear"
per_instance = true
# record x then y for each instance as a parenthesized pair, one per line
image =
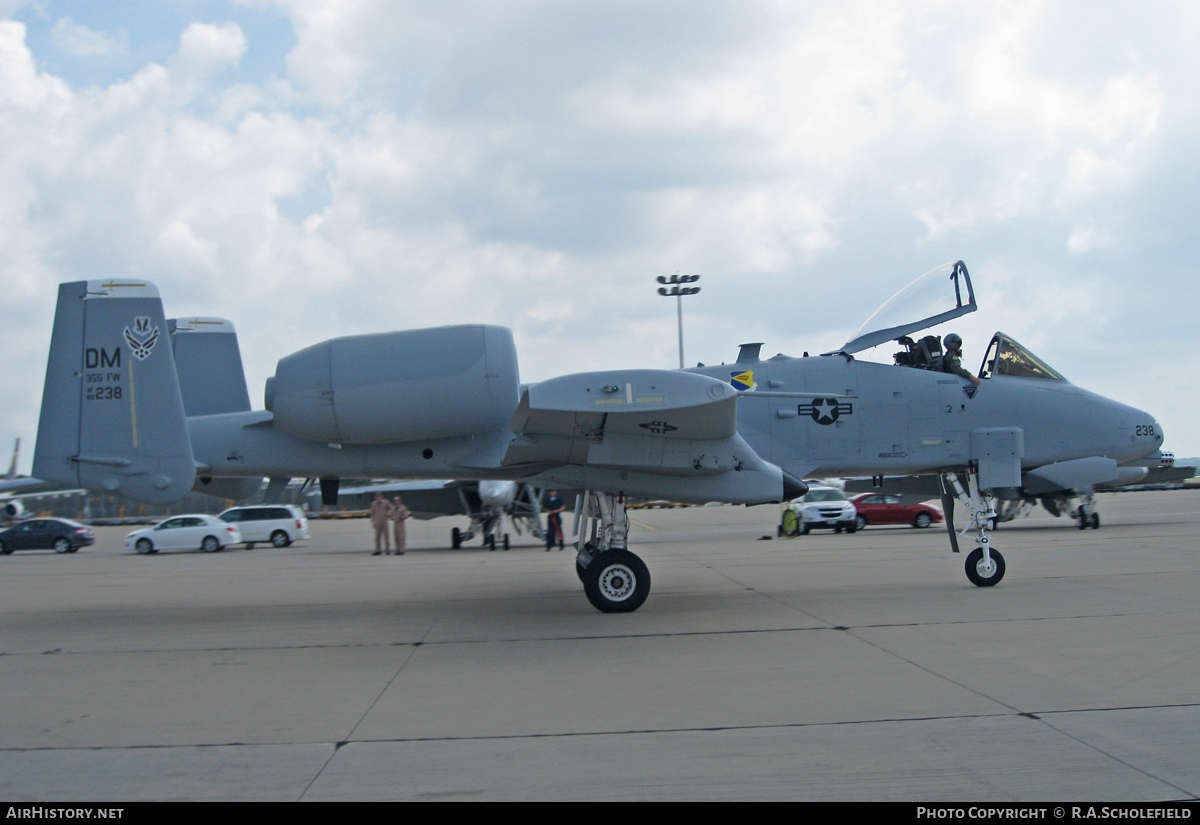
(985, 566)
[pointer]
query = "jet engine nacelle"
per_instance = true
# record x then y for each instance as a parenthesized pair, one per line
(397, 386)
(13, 510)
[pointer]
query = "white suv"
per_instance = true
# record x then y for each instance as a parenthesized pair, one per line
(280, 524)
(819, 507)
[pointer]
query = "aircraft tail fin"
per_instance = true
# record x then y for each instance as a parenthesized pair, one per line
(112, 416)
(12, 469)
(209, 365)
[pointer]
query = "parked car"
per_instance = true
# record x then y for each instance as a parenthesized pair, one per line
(58, 534)
(819, 507)
(280, 524)
(877, 508)
(208, 533)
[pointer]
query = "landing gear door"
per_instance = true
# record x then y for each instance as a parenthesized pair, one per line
(938, 296)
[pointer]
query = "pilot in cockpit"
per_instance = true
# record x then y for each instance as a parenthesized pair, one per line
(952, 360)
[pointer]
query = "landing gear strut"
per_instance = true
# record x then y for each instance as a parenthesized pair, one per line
(614, 579)
(985, 565)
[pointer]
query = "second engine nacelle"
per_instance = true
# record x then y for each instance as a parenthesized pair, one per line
(397, 386)
(12, 510)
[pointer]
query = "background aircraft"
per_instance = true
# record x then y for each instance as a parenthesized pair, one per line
(120, 414)
(488, 504)
(1040, 487)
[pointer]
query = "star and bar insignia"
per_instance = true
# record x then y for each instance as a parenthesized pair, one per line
(826, 410)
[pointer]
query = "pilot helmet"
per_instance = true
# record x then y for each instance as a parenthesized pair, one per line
(952, 341)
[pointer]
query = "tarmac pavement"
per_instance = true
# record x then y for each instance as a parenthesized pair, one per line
(844, 667)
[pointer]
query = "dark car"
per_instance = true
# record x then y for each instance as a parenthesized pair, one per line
(58, 534)
(877, 508)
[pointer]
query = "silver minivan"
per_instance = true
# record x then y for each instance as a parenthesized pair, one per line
(280, 524)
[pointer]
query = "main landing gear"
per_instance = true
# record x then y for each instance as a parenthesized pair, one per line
(492, 530)
(614, 579)
(1085, 514)
(985, 565)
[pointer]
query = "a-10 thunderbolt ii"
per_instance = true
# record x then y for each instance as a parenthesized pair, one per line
(447, 403)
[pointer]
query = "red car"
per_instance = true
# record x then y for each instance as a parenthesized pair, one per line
(877, 508)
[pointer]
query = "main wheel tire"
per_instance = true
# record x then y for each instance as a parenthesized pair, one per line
(852, 526)
(805, 529)
(61, 545)
(506, 542)
(144, 546)
(249, 545)
(982, 574)
(837, 528)
(580, 570)
(210, 545)
(922, 520)
(616, 582)
(280, 539)
(1082, 523)
(1095, 521)
(490, 541)
(860, 523)
(5, 550)
(455, 538)
(789, 525)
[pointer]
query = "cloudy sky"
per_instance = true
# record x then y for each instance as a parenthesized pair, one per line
(315, 168)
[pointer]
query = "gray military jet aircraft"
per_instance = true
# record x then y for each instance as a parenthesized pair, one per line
(448, 403)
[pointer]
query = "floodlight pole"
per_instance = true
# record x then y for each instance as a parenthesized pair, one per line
(679, 291)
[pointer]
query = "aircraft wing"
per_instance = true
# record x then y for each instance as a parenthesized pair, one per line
(1165, 475)
(629, 402)
(13, 485)
(653, 433)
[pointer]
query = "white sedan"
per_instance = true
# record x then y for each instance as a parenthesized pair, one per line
(208, 533)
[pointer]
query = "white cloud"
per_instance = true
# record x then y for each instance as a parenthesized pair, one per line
(81, 41)
(1086, 237)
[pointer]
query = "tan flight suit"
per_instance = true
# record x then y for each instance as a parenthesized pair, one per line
(381, 516)
(399, 514)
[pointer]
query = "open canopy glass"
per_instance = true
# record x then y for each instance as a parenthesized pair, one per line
(937, 296)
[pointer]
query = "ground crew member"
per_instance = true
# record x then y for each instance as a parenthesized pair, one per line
(399, 514)
(554, 508)
(381, 517)
(952, 360)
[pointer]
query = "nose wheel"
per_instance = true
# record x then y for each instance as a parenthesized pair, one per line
(985, 572)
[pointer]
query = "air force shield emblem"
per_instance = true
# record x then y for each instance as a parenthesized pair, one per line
(141, 338)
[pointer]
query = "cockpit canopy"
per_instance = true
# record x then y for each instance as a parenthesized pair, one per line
(938, 296)
(1004, 356)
